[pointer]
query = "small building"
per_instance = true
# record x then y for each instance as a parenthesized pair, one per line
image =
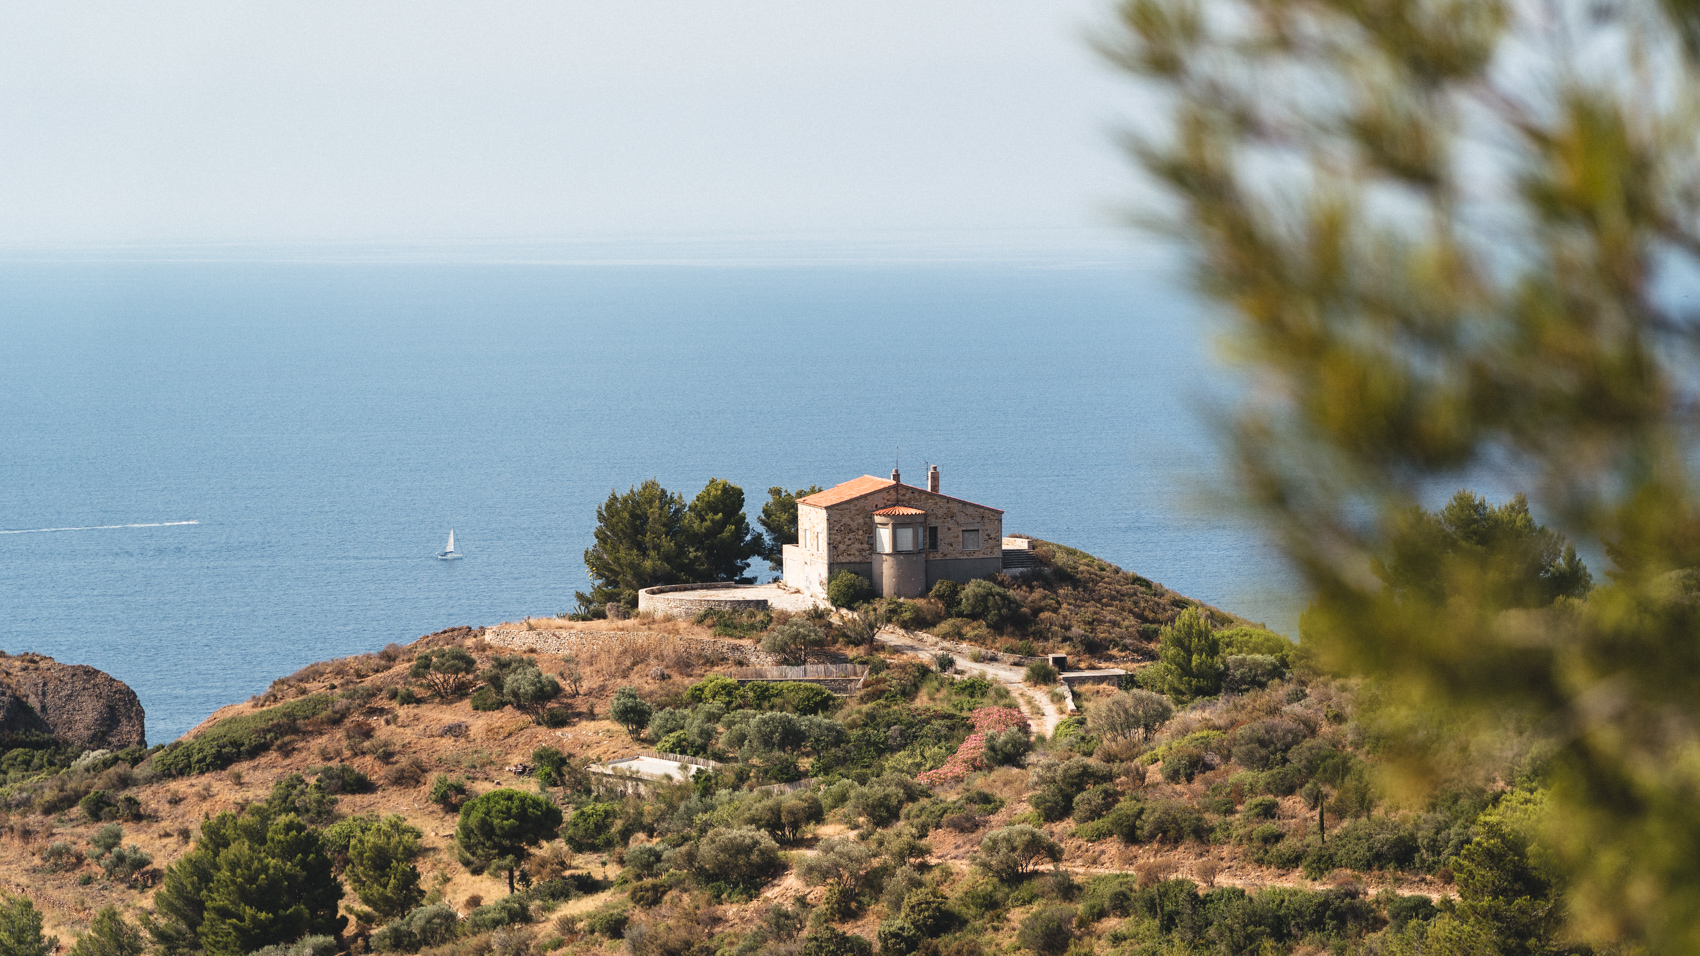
(902, 538)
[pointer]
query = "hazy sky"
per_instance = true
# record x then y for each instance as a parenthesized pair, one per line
(353, 121)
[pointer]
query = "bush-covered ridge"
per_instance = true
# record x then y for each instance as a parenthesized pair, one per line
(407, 788)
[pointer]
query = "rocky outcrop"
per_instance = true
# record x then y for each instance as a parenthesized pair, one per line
(84, 706)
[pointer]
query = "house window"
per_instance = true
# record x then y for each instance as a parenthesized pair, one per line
(970, 539)
(882, 540)
(905, 538)
(933, 538)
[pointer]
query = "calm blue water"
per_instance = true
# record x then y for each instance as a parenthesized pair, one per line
(326, 424)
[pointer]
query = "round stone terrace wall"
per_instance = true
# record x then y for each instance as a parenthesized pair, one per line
(688, 600)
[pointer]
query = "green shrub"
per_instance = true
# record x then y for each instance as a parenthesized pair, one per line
(593, 827)
(1107, 896)
(306, 946)
(1249, 672)
(849, 589)
(1182, 764)
(406, 697)
(488, 698)
(610, 921)
(1094, 803)
(1171, 820)
(947, 593)
(1047, 930)
(341, 778)
(647, 893)
(899, 937)
(61, 856)
(1255, 640)
(1040, 673)
(239, 738)
(984, 601)
(1123, 819)
(827, 941)
(1261, 808)
(1013, 851)
(631, 711)
(737, 856)
(449, 793)
(508, 911)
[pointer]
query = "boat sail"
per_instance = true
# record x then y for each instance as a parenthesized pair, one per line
(449, 553)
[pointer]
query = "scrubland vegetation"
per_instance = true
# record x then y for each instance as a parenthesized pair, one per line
(1227, 799)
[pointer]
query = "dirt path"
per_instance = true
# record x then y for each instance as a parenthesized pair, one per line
(1036, 701)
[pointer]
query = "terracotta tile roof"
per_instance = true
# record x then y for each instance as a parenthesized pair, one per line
(854, 488)
(900, 510)
(868, 484)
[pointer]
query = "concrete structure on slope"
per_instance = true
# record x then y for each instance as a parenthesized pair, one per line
(902, 538)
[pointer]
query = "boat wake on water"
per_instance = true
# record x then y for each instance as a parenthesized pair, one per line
(103, 527)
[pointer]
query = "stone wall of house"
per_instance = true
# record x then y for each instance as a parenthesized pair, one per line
(564, 641)
(806, 570)
(850, 526)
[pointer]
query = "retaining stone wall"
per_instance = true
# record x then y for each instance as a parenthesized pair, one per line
(561, 641)
(687, 600)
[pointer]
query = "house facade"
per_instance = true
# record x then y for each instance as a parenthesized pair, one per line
(902, 538)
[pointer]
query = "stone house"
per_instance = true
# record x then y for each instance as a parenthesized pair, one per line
(902, 538)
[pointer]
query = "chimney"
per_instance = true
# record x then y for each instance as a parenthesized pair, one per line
(933, 479)
(896, 477)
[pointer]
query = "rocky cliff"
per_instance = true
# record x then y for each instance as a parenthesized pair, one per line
(82, 705)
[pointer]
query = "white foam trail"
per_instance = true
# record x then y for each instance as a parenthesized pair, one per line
(103, 527)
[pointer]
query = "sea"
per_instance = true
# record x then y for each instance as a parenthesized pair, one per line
(215, 470)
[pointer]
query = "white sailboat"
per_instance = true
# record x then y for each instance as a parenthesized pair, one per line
(449, 553)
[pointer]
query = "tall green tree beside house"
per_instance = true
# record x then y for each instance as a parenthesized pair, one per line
(1454, 237)
(638, 544)
(717, 535)
(779, 520)
(649, 537)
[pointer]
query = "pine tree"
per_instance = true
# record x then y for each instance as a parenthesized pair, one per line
(253, 879)
(779, 519)
(381, 870)
(638, 545)
(109, 935)
(20, 928)
(1448, 237)
(717, 534)
(498, 829)
(1190, 657)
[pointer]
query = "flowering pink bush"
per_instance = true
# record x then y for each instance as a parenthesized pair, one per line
(971, 756)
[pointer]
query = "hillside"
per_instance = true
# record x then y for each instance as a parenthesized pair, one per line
(929, 819)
